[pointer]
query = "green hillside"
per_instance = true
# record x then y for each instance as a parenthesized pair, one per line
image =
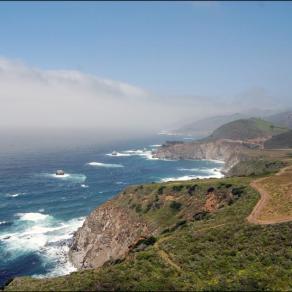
(196, 250)
(281, 141)
(246, 129)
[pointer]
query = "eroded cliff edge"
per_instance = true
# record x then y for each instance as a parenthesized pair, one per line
(229, 151)
(112, 230)
(106, 235)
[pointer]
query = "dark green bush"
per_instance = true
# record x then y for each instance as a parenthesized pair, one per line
(177, 188)
(160, 190)
(192, 189)
(175, 205)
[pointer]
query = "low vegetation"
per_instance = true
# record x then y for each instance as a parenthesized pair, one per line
(253, 167)
(198, 250)
(279, 191)
(281, 141)
(201, 238)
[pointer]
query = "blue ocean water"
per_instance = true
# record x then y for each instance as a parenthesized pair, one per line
(39, 211)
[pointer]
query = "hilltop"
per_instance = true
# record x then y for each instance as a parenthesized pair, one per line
(207, 125)
(246, 129)
(236, 143)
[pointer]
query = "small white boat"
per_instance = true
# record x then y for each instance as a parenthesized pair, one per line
(114, 153)
(60, 172)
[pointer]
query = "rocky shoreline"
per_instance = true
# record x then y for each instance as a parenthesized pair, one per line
(225, 150)
(111, 229)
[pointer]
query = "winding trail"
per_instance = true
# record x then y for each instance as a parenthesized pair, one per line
(165, 256)
(265, 197)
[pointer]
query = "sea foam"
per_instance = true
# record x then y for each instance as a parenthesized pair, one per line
(209, 173)
(106, 165)
(32, 216)
(14, 195)
(70, 177)
(44, 234)
(118, 154)
(145, 153)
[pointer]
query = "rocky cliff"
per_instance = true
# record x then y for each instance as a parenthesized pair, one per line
(106, 235)
(137, 214)
(226, 150)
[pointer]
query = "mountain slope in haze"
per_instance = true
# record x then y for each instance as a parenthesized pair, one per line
(245, 129)
(281, 141)
(283, 119)
(207, 125)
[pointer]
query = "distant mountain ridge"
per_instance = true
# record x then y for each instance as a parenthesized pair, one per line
(283, 119)
(206, 126)
(246, 129)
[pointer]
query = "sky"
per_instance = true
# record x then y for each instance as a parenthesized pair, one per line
(112, 64)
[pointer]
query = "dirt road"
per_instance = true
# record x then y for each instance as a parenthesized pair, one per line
(256, 212)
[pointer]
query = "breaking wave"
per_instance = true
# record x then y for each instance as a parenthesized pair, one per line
(14, 195)
(107, 165)
(206, 173)
(44, 234)
(118, 154)
(72, 177)
(145, 153)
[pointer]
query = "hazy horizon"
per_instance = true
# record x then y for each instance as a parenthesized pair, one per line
(128, 69)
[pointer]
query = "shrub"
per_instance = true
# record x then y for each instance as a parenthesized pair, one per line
(177, 188)
(138, 208)
(200, 215)
(145, 242)
(224, 185)
(175, 205)
(160, 190)
(191, 189)
(238, 191)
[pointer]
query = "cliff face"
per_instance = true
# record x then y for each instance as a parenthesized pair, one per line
(228, 151)
(139, 212)
(106, 235)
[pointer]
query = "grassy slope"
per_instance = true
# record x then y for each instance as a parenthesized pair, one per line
(246, 129)
(256, 167)
(219, 252)
(281, 141)
(279, 188)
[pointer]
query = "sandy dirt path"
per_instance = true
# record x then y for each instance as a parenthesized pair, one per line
(254, 215)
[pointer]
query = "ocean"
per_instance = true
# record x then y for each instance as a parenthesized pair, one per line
(40, 211)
